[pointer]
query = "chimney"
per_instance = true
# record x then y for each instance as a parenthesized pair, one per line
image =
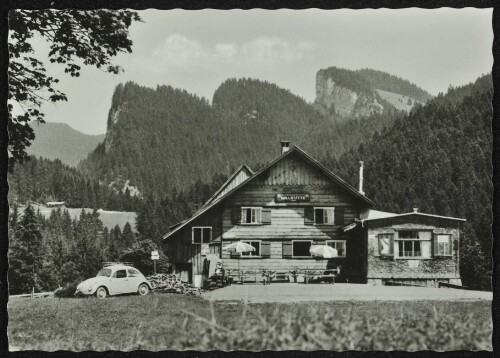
(361, 178)
(415, 210)
(285, 146)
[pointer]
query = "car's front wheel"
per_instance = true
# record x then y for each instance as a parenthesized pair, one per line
(101, 292)
(143, 289)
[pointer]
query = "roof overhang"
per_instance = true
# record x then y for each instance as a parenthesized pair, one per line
(416, 214)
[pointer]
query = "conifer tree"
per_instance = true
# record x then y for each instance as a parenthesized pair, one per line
(128, 237)
(26, 256)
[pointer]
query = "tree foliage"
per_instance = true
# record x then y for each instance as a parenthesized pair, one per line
(26, 247)
(140, 254)
(387, 82)
(75, 37)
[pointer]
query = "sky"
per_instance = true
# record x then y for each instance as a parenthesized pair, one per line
(198, 50)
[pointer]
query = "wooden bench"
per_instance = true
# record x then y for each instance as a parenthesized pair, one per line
(251, 276)
(281, 276)
(245, 276)
(328, 275)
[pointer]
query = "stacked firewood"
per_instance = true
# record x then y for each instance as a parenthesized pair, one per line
(162, 282)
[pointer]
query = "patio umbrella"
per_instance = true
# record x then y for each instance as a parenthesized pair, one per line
(324, 251)
(239, 247)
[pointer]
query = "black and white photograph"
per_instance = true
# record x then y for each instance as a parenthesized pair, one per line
(250, 179)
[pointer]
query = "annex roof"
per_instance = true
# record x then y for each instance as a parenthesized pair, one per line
(294, 149)
(377, 215)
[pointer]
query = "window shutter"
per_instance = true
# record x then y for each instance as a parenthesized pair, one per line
(216, 233)
(236, 215)
(339, 216)
(287, 249)
(308, 215)
(436, 246)
(266, 216)
(379, 248)
(265, 249)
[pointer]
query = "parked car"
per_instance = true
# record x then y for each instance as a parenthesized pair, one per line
(115, 280)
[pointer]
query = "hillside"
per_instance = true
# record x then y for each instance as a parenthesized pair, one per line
(398, 101)
(390, 83)
(165, 138)
(60, 141)
(438, 158)
(345, 94)
(42, 180)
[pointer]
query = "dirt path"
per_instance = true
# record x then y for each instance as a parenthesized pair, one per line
(293, 292)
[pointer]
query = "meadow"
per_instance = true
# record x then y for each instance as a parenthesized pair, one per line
(176, 322)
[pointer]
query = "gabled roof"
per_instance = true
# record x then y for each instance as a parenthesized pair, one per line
(371, 214)
(294, 149)
(331, 175)
(243, 168)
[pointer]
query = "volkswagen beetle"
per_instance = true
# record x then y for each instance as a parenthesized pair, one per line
(115, 280)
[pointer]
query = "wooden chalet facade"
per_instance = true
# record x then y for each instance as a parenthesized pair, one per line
(283, 209)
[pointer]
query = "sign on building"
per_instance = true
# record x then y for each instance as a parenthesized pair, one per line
(292, 197)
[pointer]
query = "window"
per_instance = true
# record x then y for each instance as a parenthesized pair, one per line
(133, 273)
(251, 215)
(301, 248)
(413, 243)
(324, 216)
(120, 274)
(443, 245)
(385, 244)
(255, 253)
(202, 235)
(339, 245)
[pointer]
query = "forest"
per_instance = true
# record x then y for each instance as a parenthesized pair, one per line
(387, 82)
(437, 157)
(154, 134)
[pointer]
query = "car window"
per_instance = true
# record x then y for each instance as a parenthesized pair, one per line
(120, 274)
(133, 273)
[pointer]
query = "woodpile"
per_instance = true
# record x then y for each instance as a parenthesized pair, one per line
(172, 283)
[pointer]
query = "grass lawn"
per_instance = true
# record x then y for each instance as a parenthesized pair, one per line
(169, 321)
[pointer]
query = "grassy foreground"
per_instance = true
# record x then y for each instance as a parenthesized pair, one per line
(169, 321)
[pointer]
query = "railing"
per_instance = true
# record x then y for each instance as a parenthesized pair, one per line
(106, 264)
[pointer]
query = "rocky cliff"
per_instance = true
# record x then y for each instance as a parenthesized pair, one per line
(345, 94)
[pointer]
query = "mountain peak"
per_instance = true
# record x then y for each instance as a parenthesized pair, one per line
(351, 94)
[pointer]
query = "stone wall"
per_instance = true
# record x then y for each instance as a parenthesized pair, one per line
(435, 268)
